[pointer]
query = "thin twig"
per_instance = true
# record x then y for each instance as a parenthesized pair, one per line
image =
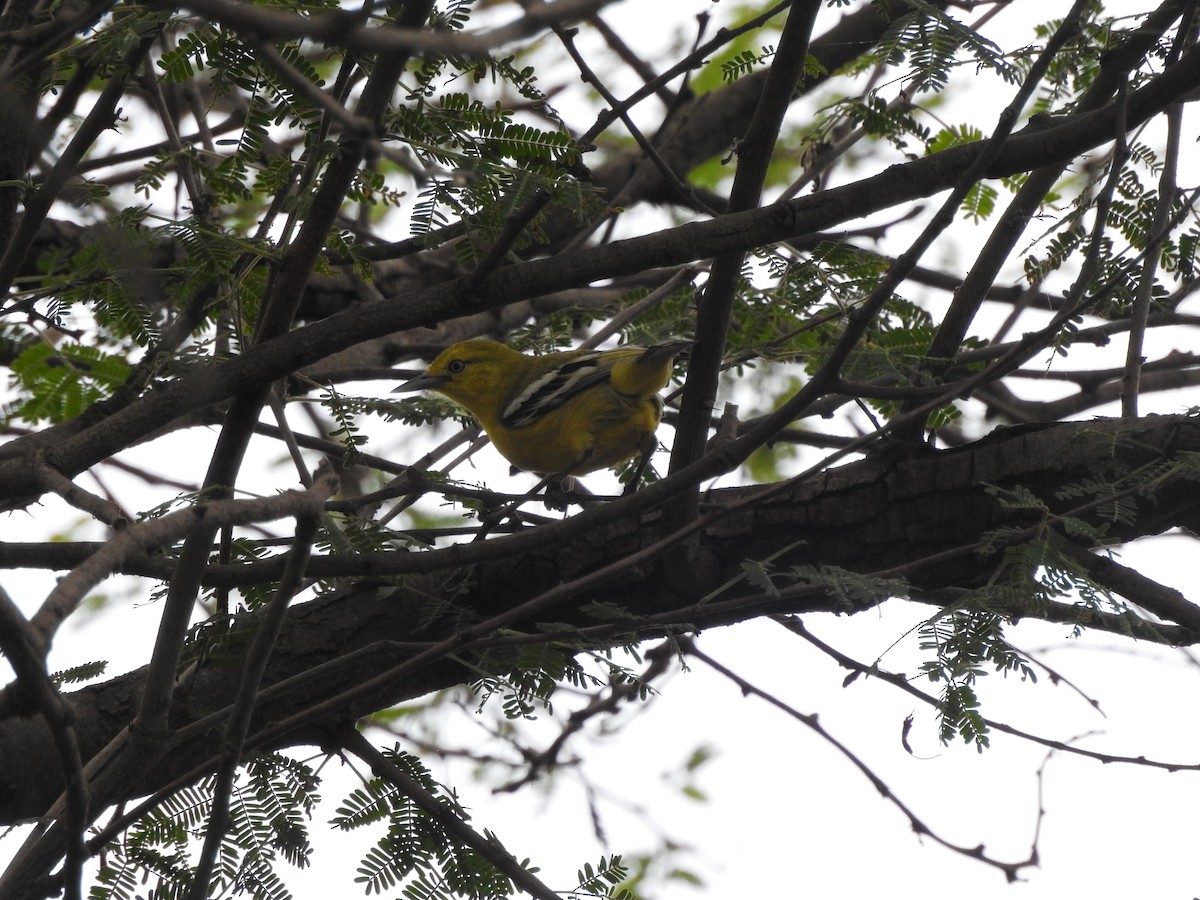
(632, 312)
(142, 537)
(901, 682)
(682, 188)
(1010, 869)
(95, 506)
(605, 703)
(345, 30)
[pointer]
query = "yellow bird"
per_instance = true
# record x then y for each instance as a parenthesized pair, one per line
(564, 413)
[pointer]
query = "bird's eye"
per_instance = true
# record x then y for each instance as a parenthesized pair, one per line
(456, 366)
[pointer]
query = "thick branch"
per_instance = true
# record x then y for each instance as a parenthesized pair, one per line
(76, 446)
(882, 513)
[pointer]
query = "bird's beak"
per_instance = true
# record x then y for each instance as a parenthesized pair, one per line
(424, 382)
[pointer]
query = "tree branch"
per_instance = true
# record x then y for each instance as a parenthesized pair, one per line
(77, 447)
(486, 846)
(345, 29)
(255, 666)
(1010, 869)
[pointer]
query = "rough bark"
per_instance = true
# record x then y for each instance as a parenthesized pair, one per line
(920, 517)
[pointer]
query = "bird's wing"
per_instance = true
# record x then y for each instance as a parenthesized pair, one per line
(554, 388)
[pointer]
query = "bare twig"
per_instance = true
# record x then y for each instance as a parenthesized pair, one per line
(345, 29)
(903, 683)
(1010, 869)
(142, 537)
(682, 188)
(604, 703)
(97, 507)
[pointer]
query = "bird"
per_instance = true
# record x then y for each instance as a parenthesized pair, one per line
(558, 414)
